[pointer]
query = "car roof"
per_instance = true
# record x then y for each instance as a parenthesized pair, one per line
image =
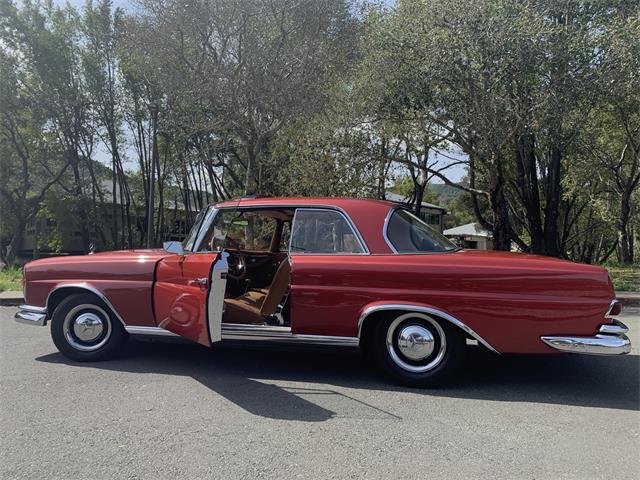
(367, 214)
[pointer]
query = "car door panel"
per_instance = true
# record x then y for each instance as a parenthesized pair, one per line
(188, 295)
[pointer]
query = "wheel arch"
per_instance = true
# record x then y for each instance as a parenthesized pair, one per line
(60, 292)
(375, 311)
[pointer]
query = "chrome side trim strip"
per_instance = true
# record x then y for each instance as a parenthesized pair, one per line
(257, 333)
(31, 315)
(154, 331)
(95, 291)
(282, 335)
(427, 310)
(600, 344)
(616, 327)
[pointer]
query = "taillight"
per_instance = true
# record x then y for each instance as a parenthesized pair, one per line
(615, 308)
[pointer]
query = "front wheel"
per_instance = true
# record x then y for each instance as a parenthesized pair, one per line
(417, 350)
(84, 329)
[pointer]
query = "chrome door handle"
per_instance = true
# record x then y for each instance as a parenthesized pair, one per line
(199, 281)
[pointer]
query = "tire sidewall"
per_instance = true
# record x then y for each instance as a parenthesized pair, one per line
(116, 338)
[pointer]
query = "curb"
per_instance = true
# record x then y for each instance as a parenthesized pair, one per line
(11, 299)
(629, 299)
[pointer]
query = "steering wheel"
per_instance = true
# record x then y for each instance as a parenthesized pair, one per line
(236, 261)
(237, 266)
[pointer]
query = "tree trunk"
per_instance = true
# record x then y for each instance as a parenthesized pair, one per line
(624, 243)
(499, 207)
(251, 186)
(527, 181)
(553, 194)
(15, 245)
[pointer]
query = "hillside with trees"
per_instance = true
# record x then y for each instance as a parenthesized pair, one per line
(104, 110)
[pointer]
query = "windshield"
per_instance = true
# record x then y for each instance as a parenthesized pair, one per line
(189, 242)
(408, 234)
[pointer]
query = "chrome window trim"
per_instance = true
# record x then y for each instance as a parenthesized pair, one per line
(390, 245)
(202, 232)
(91, 289)
(356, 232)
(422, 309)
(386, 226)
(297, 206)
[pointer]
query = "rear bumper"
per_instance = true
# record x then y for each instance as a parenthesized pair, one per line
(610, 341)
(31, 315)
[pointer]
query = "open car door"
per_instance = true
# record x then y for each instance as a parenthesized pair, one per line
(188, 295)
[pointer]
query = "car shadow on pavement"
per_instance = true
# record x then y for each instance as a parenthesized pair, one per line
(243, 374)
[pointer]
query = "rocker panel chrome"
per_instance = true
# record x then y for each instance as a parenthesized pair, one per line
(422, 309)
(257, 333)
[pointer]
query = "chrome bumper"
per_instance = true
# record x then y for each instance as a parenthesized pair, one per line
(610, 341)
(31, 315)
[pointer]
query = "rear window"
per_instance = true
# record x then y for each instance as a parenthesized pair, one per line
(408, 234)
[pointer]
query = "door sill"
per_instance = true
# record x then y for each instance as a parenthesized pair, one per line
(266, 333)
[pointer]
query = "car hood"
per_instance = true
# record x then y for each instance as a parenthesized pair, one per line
(121, 264)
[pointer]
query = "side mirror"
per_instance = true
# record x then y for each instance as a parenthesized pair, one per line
(173, 247)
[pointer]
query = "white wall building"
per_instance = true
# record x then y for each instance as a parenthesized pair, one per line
(471, 236)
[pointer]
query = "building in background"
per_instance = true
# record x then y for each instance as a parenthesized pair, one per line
(471, 236)
(429, 213)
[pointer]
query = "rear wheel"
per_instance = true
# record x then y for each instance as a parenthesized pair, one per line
(84, 329)
(418, 350)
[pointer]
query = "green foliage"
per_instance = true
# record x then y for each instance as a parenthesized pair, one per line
(538, 102)
(10, 279)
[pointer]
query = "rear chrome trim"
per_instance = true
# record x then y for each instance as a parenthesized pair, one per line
(266, 333)
(31, 315)
(614, 328)
(429, 311)
(612, 305)
(596, 345)
(610, 341)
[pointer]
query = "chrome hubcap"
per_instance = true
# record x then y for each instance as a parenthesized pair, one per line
(415, 342)
(87, 327)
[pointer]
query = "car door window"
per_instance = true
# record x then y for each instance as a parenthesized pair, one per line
(240, 230)
(323, 232)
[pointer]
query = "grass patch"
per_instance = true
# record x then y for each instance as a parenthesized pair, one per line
(625, 279)
(10, 279)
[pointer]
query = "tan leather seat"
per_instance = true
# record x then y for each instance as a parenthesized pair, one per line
(255, 305)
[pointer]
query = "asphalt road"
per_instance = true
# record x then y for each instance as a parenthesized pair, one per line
(181, 411)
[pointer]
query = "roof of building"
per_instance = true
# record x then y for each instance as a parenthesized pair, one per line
(397, 198)
(470, 229)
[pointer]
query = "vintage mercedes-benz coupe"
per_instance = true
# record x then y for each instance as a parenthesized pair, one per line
(327, 271)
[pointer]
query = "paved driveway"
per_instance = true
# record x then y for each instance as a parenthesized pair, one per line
(182, 411)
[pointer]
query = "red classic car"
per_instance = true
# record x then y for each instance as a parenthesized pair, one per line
(347, 272)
